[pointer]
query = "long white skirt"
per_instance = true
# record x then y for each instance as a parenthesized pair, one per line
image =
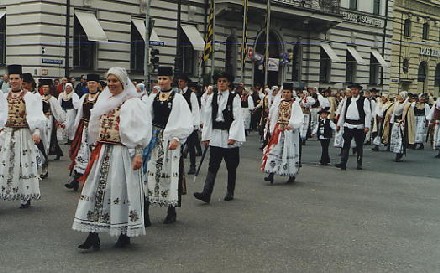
(282, 157)
(396, 142)
(162, 177)
(70, 124)
(112, 198)
(46, 133)
(437, 135)
(19, 179)
(82, 158)
(247, 117)
(305, 126)
(314, 117)
(421, 130)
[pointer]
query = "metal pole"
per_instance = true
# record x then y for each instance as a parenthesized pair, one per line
(178, 59)
(147, 74)
(67, 46)
(266, 72)
(213, 43)
(243, 41)
(383, 41)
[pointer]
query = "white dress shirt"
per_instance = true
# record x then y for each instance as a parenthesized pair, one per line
(352, 113)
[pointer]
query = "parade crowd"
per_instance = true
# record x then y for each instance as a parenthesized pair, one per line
(127, 144)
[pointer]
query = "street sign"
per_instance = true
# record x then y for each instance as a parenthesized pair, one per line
(51, 61)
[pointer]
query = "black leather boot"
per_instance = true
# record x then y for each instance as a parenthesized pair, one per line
(269, 178)
(171, 216)
(192, 170)
(92, 241)
(74, 184)
(205, 195)
(147, 221)
(123, 241)
(25, 205)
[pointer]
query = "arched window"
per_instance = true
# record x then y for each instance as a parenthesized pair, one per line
(231, 55)
(437, 75)
(423, 71)
(407, 28)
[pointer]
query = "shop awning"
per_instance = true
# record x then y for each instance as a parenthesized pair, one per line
(355, 55)
(330, 52)
(379, 58)
(140, 26)
(194, 37)
(2, 13)
(91, 26)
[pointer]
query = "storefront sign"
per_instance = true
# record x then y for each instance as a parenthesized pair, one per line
(362, 19)
(430, 52)
(273, 64)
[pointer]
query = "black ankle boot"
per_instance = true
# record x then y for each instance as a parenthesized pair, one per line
(269, 178)
(291, 179)
(147, 221)
(27, 205)
(171, 216)
(123, 241)
(92, 241)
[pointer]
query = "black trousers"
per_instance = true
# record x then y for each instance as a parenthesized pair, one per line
(191, 142)
(359, 138)
(232, 159)
(325, 157)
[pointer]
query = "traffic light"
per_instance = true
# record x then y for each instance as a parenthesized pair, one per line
(154, 57)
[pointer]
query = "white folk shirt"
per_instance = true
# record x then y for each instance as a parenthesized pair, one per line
(195, 109)
(352, 113)
(217, 137)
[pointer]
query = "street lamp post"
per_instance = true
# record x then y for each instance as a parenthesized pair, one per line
(178, 60)
(147, 74)
(67, 46)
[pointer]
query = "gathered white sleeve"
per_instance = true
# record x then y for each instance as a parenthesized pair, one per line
(251, 105)
(195, 110)
(135, 124)
(34, 112)
(367, 110)
(273, 115)
(430, 115)
(180, 123)
(427, 109)
(75, 99)
(207, 117)
(79, 114)
(3, 111)
(236, 132)
(57, 111)
(296, 116)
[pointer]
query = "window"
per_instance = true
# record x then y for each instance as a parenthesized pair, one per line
(374, 70)
(324, 67)
(3, 41)
(137, 57)
(83, 49)
(425, 34)
(353, 4)
(188, 54)
(376, 7)
(350, 67)
(437, 75)
(407, 28)
(423, 70)
(296, 63)
(405, 65)
(231, 55)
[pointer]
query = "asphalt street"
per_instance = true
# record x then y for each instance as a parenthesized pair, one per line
(384, 218)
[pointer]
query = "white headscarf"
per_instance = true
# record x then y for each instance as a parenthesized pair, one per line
(107, 102)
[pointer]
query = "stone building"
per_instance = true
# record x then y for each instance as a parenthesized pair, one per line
(416, 47)
(323, 43)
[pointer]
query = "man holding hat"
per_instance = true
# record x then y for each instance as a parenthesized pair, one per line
(20, 125)
(193, 104)
(223, 131)
(356, 119)
(55, 117)
(79, 152)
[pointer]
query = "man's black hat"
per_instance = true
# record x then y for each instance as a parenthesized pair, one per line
(355, 85)
(223, 74)
(93, 77)
(288, 86)
(193, 85)
(42, 82)
(165, 71)
(184, 77)
(103, 83)
(324, 110)
(15, 69)
(27, 78)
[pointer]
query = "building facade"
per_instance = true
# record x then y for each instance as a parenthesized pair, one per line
(322, 43)
(416, 47)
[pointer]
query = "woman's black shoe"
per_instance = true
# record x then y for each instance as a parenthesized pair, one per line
(44, 176)
(92, 241)
(72, 185)
(27, 205)
(269, 178)
(291, 179)
(171, 216)
(122, 241)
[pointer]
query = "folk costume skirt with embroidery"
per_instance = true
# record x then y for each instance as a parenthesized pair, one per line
(421, 130)
(112, 197)
(162, 177)
(436, 137)
(247, 118)
(70, 124)
(397, 142)
(19, 179)
(80, 149)
(281, 155)
(305, 127)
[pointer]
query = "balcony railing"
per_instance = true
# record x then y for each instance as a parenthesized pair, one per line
(328, 6)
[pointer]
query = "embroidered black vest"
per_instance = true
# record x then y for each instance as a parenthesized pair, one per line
(162, 110)
(327, 129)
(67, 104)
(228, 115)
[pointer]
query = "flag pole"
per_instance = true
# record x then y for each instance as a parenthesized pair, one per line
(266, 72)
(213, 40)
(243, 41)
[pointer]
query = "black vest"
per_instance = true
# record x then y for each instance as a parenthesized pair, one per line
(46, 107)
(228, 114)
(187, 96)
(360, 108)
(67, 104)
(419, 112)
(162, 110)
(327, 128)
(244, 102)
